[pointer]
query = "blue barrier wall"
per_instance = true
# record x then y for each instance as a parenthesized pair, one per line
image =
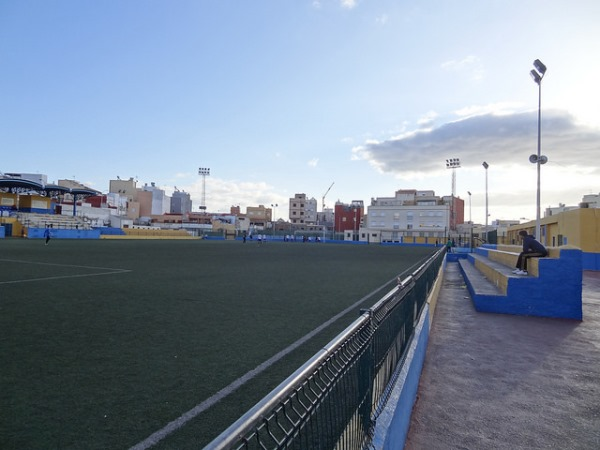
(57, 233)
(2, 232)
(111, 231)
(393, 423)
(591, 261)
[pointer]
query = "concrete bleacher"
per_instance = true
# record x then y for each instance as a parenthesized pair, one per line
(55, 221)
(552, 289)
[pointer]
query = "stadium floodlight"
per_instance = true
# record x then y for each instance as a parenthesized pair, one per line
(453, 163)
(485, 166)
(203, 172)
(538, 74)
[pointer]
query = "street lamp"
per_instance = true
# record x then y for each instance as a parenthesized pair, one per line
(537, 74)
(485, 166)
(274, 206)
(470, 220)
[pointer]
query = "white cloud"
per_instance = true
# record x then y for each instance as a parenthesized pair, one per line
(470, 65)
(349, 4)
(493, 108)
(222, 194)
(427, 119)
(507, 138)
(505, 142)
(313, 162)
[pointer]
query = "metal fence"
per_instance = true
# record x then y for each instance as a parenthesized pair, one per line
(334, 399)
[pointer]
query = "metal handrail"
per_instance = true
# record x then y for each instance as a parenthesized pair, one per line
(280, 417)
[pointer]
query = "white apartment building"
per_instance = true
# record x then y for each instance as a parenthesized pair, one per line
(311, 211)
(590, 201)
(409, 214)
(161, 202)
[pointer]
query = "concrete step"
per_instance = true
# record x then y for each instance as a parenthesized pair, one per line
(477, 282)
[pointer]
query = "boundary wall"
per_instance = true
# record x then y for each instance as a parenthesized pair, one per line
(59, 233)
(393, 424)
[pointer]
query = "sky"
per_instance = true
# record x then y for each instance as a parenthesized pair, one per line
(284, 97)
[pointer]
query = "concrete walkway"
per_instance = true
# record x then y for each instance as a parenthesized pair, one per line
(494, 381)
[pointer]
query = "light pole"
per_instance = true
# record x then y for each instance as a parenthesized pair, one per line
(485, 166)
(537, 74)
(203, 172)
(273, 214)
(470, 220)
(453, 163)
(274, 206)
(470, 223)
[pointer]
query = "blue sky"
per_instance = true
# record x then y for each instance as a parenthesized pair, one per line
(283, 97)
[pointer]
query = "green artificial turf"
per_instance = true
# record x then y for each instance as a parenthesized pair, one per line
(104, 342)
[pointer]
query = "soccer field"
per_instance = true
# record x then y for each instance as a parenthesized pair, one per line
(102, 343)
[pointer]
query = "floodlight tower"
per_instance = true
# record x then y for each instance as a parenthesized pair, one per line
(486, 166)
(453, 163)
(203, 172)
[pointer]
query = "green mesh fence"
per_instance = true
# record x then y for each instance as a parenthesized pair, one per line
(333, 400)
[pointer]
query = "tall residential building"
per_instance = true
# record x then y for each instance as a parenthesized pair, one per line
(590, 201)
(181, 202)
(303, 210)
(298, 209)
(311, 211)
(126, 188)
(161, 203)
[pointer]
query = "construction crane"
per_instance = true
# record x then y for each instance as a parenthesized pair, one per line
(326, 192)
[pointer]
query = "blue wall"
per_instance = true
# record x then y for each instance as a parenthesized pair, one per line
(392, 425)
(590, 261)
(57, 233)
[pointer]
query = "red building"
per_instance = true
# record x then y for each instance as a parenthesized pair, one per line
(348, 217)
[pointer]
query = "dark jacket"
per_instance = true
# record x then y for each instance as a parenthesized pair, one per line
(530, 245)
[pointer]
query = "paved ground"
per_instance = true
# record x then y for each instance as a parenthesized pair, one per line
(494, 381)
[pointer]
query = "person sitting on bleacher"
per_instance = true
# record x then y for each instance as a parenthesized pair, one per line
(531, 249)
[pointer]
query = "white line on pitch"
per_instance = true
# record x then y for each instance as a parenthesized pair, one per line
(66, 276)
(154, 438)
(64, 265)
